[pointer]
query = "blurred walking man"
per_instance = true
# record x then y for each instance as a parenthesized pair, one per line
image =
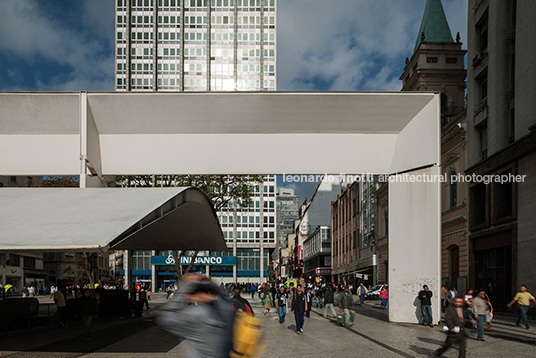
(455, 322)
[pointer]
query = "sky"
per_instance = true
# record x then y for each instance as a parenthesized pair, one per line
(322, 45)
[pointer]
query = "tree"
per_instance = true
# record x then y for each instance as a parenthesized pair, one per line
(87, 264)
(61, 182)
(222, 190)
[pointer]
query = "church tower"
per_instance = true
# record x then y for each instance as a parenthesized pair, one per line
(437, 62)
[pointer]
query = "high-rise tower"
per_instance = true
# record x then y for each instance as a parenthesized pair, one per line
(195, 45)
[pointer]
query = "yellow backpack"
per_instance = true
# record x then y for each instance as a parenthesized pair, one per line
(247, 336)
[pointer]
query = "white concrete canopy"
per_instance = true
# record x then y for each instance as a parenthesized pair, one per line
(160, 133)
(134, 133)
(93, 219)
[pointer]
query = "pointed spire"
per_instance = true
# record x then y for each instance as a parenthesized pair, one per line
(434, 25)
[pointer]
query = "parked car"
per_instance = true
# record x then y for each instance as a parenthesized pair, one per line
(374, 292)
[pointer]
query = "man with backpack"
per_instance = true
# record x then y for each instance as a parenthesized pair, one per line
(201, 314)
(240, 302)
(253, 289)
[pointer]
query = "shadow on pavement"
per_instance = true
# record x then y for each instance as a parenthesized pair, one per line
(511, 337)
(372, 312)
(101, 339)
(292, 327)
(421, 350)
(430, 340)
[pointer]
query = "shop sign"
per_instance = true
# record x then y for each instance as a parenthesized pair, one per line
(199, 260)
(323, 271)
(366, 262)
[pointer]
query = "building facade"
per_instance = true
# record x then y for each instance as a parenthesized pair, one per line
(317, 254)
(345, 234)
(203, 45)
(287, 206)
(437, 64)
(382, 232)
(246, 239)
(354, 216)
(501, 140)
(242, 227)
(195, 45)
(19, 270)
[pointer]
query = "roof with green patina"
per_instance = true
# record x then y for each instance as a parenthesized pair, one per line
(434, 24)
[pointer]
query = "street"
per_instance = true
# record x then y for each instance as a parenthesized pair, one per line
(370, 336)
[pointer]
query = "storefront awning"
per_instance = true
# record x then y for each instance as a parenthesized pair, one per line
(93, 219)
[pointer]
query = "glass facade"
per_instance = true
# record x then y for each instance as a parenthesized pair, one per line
(141, 260)
(196, 45)
(287, 212)
(248, 217)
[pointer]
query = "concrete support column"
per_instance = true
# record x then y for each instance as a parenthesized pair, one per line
(261, 230)
(414, 244)
(3, 261)
(126, 267)
(154, 287)
(235, 234)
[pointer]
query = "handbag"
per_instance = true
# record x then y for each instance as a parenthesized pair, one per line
(489, 316)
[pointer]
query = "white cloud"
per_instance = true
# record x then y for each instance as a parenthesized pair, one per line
(344, 44)
(28, 34)
(351, 44)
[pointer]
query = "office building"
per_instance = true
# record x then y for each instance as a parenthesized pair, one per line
(195, 45)
(501, 140)
(287, 205)
(202, 45)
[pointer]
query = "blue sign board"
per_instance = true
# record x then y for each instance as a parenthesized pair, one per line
(199, 260)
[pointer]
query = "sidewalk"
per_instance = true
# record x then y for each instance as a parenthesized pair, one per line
(503, 324)
(371, 336)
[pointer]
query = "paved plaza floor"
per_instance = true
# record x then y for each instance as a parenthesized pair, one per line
(370, 336)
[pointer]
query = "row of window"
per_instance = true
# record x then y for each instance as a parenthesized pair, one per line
(249, 235)
(215, 75)
(224, 219)
(217, 20)
(195, 3)
(148, 51)
(148, 83)
(434, 59)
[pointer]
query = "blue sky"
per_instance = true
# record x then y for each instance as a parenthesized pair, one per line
(323, 45)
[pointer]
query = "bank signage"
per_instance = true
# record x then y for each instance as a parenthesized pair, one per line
(199, 260)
